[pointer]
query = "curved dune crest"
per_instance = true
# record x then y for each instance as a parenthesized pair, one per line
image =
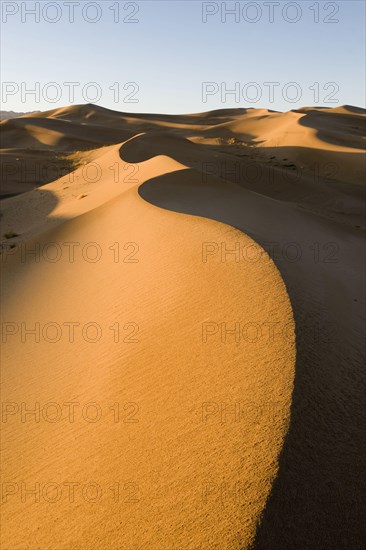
(207, 394)
(211, 407)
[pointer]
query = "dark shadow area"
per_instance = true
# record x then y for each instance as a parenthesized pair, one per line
(337, 128)
(352, 109)
(60, 134)
(37, 207)
(316, 181)
(23, 170)
(317, 499)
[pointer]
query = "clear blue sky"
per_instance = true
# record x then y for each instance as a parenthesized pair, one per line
(170, 52)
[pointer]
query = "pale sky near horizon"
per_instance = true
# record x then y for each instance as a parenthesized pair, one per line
(182, 56)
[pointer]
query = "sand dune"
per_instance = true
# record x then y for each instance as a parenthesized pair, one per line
(323, 146)
(237, 301)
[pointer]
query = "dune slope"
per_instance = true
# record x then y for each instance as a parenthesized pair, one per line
(183, 310)
(202, 413)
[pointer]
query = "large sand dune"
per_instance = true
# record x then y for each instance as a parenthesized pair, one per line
(218, 256)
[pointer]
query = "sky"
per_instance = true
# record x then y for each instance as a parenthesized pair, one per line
(182, 56)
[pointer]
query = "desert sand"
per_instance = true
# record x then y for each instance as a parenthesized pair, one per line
(183, 312)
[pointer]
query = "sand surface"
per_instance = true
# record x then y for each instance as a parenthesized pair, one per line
(183, 310)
